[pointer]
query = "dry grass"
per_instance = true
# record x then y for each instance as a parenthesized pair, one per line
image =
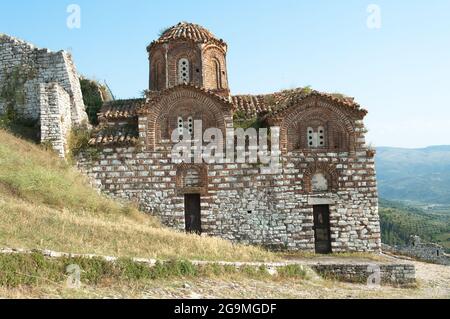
(46, 204)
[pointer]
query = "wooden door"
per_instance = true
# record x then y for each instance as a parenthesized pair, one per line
(322, 229)
(192, 213)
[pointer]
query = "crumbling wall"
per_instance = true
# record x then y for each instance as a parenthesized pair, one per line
(55, 115)
(26, 76)
(418, 249)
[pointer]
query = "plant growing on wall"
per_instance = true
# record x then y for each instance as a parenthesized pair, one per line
(94, 94)
(78, 143)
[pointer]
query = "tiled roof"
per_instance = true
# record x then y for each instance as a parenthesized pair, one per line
(187, 31)
(115, 136)
(121, 109)
(252, 105)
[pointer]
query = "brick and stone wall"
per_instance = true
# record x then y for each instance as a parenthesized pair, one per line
(32, 71)
(324, 157)
(241, 205)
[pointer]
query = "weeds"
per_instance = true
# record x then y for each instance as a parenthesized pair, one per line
(35, 269)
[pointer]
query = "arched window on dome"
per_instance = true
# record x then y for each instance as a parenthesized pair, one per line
(218, 73)
(183, 71)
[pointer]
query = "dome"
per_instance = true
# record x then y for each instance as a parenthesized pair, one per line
(187, 31)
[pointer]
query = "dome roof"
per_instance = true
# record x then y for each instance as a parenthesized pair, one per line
(188, 31)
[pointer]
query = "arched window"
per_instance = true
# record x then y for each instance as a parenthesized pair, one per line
(218, 74)
(321, 136)
(319, 183)
(180, 125)
(183, 71)
(185, 125)
(316, 137)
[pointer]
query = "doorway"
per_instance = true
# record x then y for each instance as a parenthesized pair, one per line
(322, 229)
(192, 213)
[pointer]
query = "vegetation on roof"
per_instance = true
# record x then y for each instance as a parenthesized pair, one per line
(94, 95)
(162, 31)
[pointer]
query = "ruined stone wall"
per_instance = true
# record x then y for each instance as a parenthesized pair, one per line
(241, 205)
(430, 252)
(55, 115)
(27, 68)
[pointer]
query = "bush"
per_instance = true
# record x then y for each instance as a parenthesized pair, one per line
(78, 143)
(92, 98)
(292, 271)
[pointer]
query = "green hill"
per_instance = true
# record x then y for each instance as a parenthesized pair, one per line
(46, 204)
(415, 175)
(399, 222)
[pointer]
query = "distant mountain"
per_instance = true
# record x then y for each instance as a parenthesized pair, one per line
(416, 175)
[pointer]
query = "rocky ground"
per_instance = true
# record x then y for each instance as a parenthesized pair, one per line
(433, 282)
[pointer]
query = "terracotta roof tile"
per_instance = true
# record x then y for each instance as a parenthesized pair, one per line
(114, 137)
(121, 109)
(252, 105)
(187, 31)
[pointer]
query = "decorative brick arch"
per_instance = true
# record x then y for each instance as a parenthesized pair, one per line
(186, 171)
(215, 110)
(158, 72)
(295, 120)
(213, 56)
(328, 170)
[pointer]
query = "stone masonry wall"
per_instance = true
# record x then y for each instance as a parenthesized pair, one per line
(430, 252)
(241, 205)
(32, 68)
(402, 275)
(55, 115)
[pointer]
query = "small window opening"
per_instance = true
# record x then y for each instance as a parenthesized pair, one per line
(316, 138)
(183, 71)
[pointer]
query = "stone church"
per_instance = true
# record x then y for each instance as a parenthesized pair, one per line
(324, 197)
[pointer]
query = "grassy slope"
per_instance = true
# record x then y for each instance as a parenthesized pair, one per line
(46, 204)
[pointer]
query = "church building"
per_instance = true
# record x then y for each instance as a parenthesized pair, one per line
(323, 198)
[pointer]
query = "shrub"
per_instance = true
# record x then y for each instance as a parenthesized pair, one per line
(292, 271)
(78, 143)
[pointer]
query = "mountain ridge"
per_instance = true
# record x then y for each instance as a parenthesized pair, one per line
(418, 175)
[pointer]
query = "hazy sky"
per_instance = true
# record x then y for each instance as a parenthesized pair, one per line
(400, 72)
